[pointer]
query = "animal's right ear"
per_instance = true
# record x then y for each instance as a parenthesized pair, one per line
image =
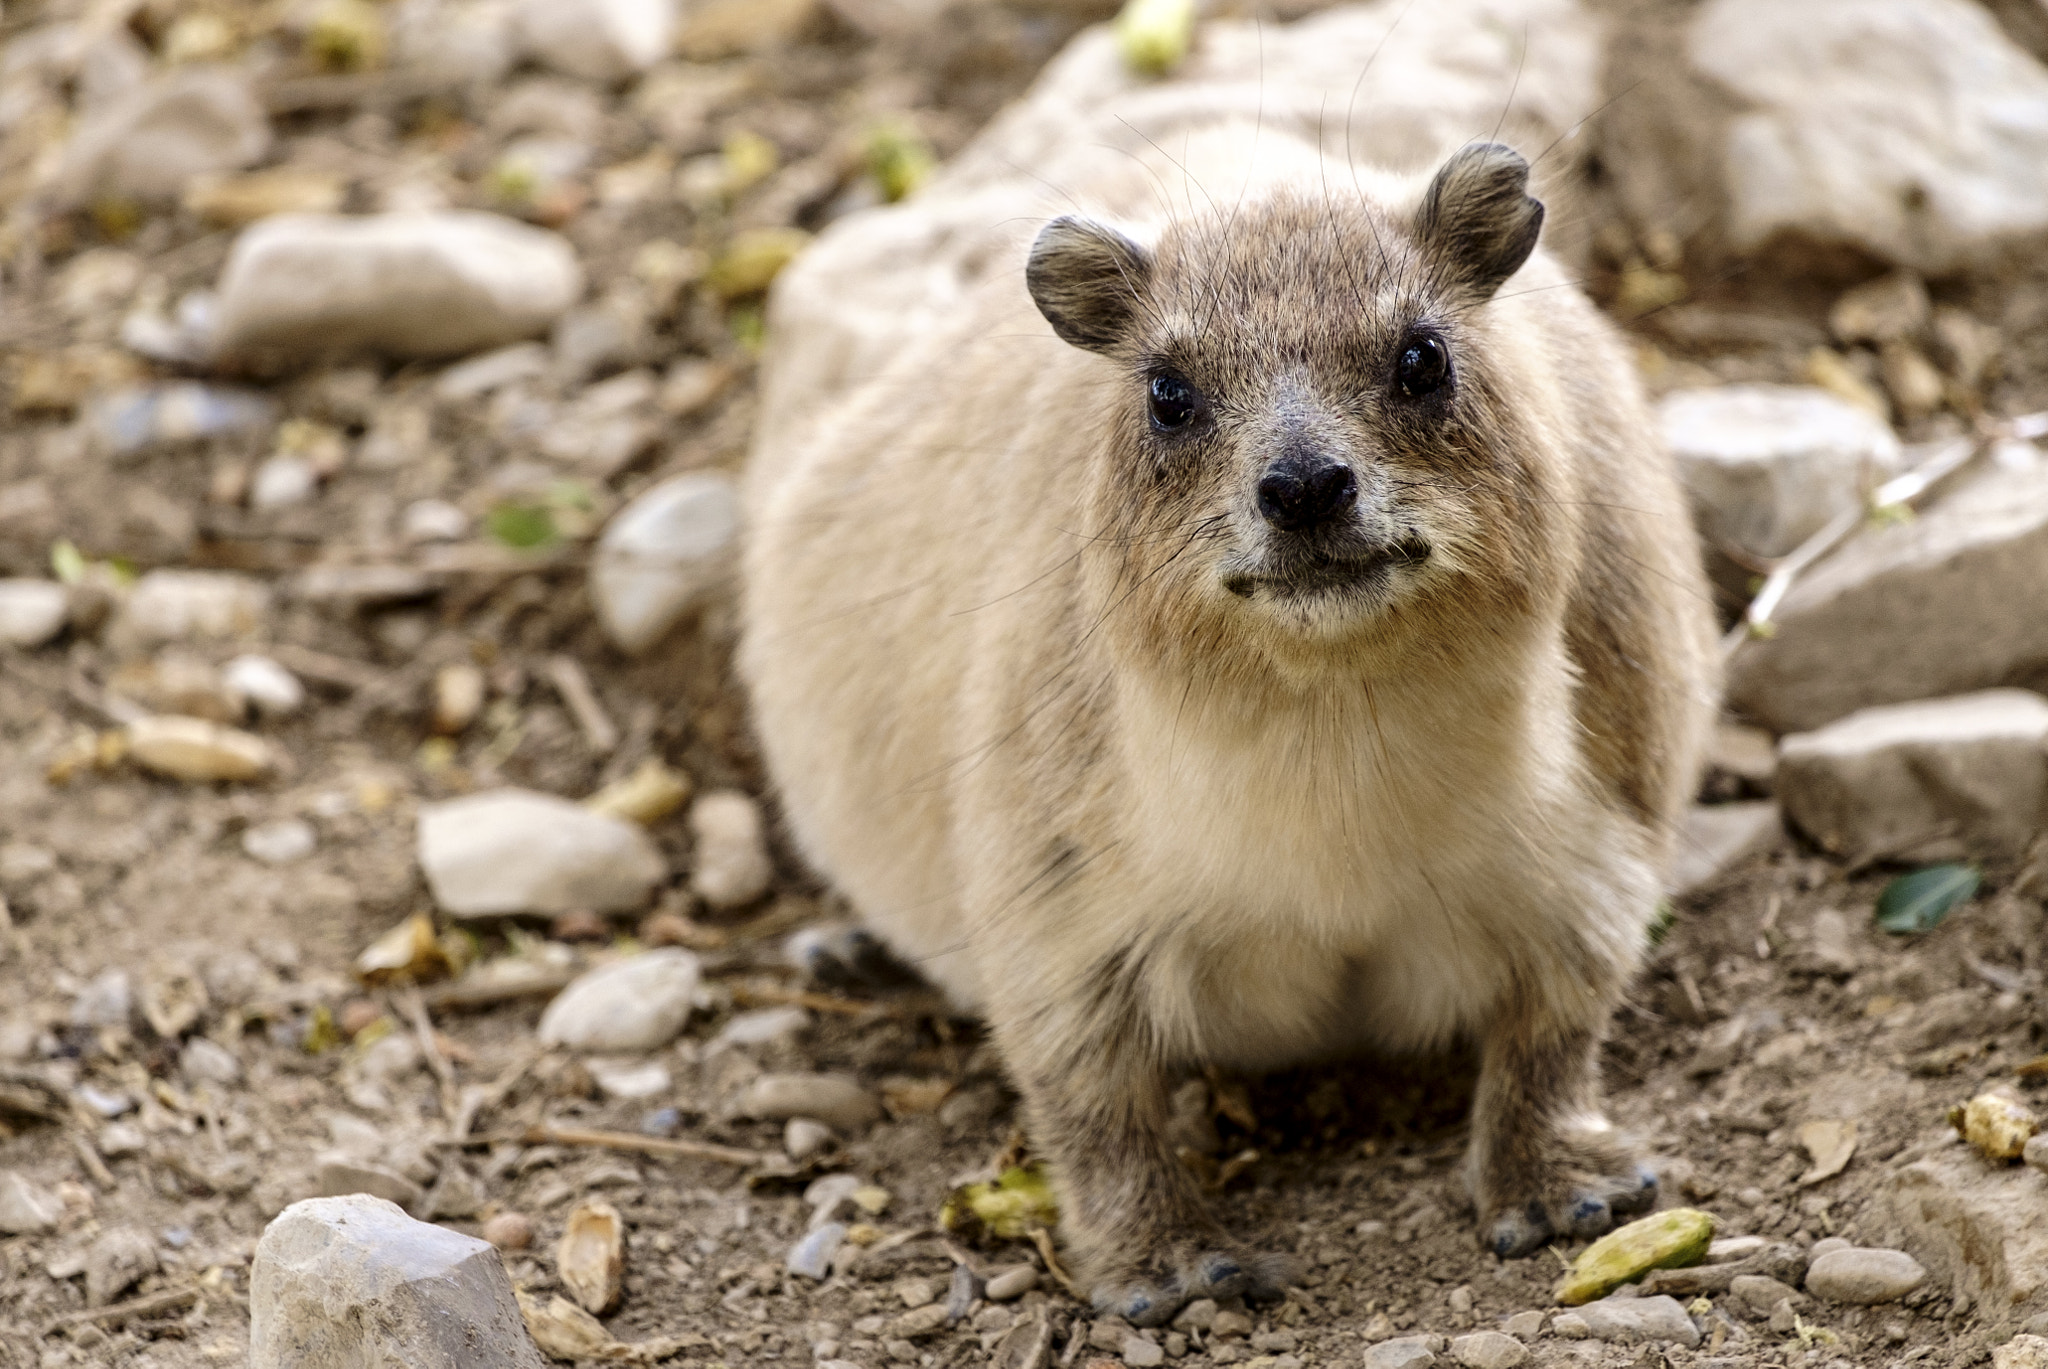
(1086, 277)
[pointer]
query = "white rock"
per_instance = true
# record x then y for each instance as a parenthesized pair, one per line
(599, 40)
(1633, 1320)
(1488, 1350)
(514, 851)
(663, 555)
(1716, 837)
(1913, 129)
(280, 842)
(762, 1026)
(1921, 782)
(1767, 466)
(417, 284)
(731, 867)
(1864, 1276)
(812, 1256)
(282, 481)
(2023, 1351)
(116, 1262)
(274, 691)
(344, 1282)
(209, 1062)
(834, 1099)
(636, 1004)
(630, 1079)
(32, 611)
(1913, 610)
(433, 520)
(1403, 1352)
(455, 42)
(26, 1209)
(803, 1137)
(199, 751)
(149, 144)
(186, 605)
(107, 1000)
(1011, 1283)
(1441, 74)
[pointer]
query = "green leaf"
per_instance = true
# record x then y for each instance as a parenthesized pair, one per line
(66, 563)
(1660, 925)
(1918, 902)
(521, 525)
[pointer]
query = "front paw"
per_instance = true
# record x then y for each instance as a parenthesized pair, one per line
(1572, 1203)
(1148, 1291)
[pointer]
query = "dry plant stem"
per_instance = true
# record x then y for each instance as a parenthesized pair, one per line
(1042, 1238)
(575, 688)
(1900, 491)
(459, 994)
(547, 1134)
(151, 1305)
(415, 1010)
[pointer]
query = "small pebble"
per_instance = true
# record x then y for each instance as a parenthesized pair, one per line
(118, 1140)
(1488, 1350)
(199, 751)
(280, 842)
(580, 925)
(458, 697)
(1524, 1325)
(1460, 1300)
(919, 1323)
(662, 1122)
(283, 481)
(209, 1062)
(1018, 1280)
(1864, 1276)
(1571, 1326)
(2035, 1152)
(916, 1293)
(357, 1014)
(1405, 1352)
(433, 520)
(32, 611)
(833, 1099)
(264, 684)
(812, 1256)
(963, 1293)
(636, 1004)
(732, 865)
(1141, 1353)
(508, 1231)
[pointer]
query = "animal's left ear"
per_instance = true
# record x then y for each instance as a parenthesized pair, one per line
(1478, 222)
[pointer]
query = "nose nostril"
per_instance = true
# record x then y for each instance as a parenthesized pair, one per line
(1293, 500)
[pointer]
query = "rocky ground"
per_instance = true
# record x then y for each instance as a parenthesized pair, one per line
(282, 628)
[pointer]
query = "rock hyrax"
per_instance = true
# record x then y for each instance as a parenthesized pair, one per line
(1256, 628)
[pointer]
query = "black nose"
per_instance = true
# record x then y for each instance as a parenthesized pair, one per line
(1295, 496)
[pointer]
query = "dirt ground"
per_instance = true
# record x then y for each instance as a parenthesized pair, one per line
(1357, 1166)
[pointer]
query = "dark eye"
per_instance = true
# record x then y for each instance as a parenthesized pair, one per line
(1175, 403)
(1424, 365)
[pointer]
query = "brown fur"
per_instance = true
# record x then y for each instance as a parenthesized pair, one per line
(1049, 702)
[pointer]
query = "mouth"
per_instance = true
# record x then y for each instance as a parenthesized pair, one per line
(1317, 575)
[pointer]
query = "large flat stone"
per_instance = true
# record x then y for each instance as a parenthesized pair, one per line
(1939, 780)
(353, 1283)
(1981, 1230)
(1766, 466)
(1936, 605)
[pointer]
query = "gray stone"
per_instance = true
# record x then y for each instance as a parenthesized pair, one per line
(282, 481)
(2036, 1152)
(433, 520)
(32, 611)
(481, 375)
(340, 1283)
(1757, 1294)
(1714, 838)
(1141, 1353)
(417, 284)
(1633, 1320)
(663, 555)
(208, 1062)
(1767, 466)
(1199, 1315)
(1888, 125)
(107, 1000)
(1912, 610)
(151, 143)
(1920, 782)
(116, 1262)
(1571, 1326)
(803, 1137)
(1488, 1350)
(340, 1175)
(515, 851)
(1524, 1325)
(1026, 1345)
(812, 1256)
(1404, 1352)
(730, 863)
(26, 1209)
(1015, 1282)
(834, 1099)
(636, 1004)
(1864, 1276)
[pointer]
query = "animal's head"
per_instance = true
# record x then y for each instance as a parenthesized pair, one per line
(1313, 436)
